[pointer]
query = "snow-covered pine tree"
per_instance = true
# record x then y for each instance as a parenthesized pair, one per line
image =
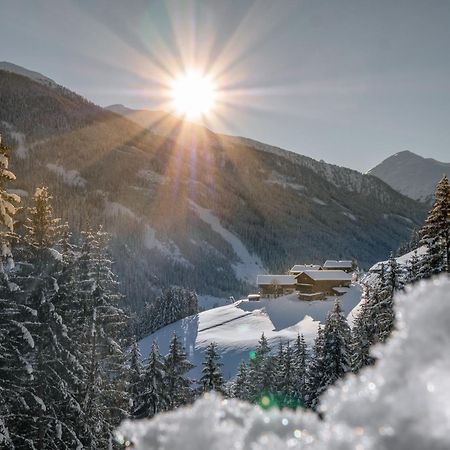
(16, 371)
(382, 301)
(52, 418)
(134, 378)
(415, 268)
(277, 372)
(43, 230)
(315, 381)
(241, 389)
(288, 386)
(260, 370)
(336, 345)
(178, 385)
(363, 335)
(300, 367)
(153, 396)
(104, 399)
(212, 378)
(52, 414)
(436, 231)
(8, 210)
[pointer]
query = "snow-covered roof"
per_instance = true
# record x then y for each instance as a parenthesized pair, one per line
(302, 267)
(333, 264)
(338, 275)
(275, 279)
(340, 290)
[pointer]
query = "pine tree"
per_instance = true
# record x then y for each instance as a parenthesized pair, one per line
(178, 386)
(51, 417)
(43, 230)
(101, 321)
(241, 389)
(134, 377)
(382, 304)
(212, 378)
(436, 231)
(288, 385)
(300, 367)
(8, 210)
(152, 397)
(315, 381)
(363, 336)
(336, 345)
(260, 370)
(415, 268)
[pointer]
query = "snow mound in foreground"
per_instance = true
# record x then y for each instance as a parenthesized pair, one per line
(401, 403)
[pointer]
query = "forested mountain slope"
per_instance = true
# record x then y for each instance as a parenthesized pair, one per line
(191, 207)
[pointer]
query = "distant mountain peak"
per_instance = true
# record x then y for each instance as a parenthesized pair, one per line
(36, 76)
(411, 174)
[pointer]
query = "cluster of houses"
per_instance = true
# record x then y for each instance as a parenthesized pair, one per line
(310, 281)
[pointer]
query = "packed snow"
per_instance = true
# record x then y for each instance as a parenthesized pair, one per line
(236, 328)
(400, 403)
(249, 266)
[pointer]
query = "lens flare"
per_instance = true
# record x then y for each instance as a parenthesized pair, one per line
(193, 94)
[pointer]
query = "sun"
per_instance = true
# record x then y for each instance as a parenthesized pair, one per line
(193, 94)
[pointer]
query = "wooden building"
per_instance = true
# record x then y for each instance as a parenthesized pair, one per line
(276, 284)
(318, 284)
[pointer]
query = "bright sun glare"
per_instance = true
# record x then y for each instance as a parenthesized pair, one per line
(193, 94)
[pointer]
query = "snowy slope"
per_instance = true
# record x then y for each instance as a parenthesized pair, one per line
(411, 174)
(236, 328)
(249, 266)
(399, 403)
(36, 76)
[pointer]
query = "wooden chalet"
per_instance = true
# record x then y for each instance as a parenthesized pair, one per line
(276, 284)
(318, 284)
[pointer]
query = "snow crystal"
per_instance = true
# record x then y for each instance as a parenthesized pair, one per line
(400, 403)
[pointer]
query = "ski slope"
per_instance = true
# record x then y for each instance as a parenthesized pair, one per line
(236, 328)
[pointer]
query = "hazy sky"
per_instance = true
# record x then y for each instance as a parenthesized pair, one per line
(347, 81)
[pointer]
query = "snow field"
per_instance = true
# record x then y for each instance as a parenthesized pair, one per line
(236, 328)
(400, 403)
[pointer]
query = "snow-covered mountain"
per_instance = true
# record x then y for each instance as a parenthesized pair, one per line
(411, 174)
(190, 207)
(36, 76)
(236, 328)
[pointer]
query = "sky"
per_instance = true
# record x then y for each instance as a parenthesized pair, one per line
(347, 81)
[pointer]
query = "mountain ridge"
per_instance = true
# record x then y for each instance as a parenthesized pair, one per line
(185, 209)
(411, 174)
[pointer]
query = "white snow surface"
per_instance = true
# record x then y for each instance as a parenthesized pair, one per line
(236, 328)
(249, 266)
(114, 209)
(206, 302)
(400, 403)
(167, 248)
(403, 260)
(70, 177)
(22, 149)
